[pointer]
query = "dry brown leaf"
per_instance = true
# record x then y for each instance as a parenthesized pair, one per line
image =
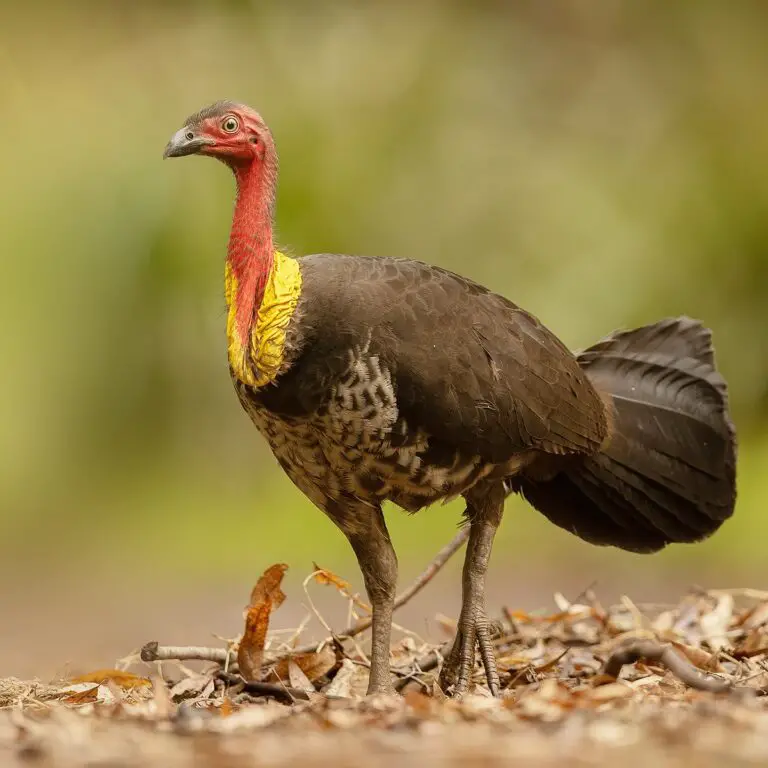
(341, 685)
(755, 617)
(421, 705)
(268, 586)
(266, 596)
(716, 623)
(228, 707)
(125, 680)
(512, 663)
(313, 665)
(88, 696)
(194, 686)
(601, 679)
(609, 692)
(297, 678)
(698, 657)
(523, 661)
(326, 577)
(754, 645)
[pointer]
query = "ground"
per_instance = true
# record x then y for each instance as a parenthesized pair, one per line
(679, 684)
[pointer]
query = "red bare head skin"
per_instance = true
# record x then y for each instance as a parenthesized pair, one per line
(231, 132)
(237, 135)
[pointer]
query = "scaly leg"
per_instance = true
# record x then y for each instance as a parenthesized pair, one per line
(485, 505)
(368, 535)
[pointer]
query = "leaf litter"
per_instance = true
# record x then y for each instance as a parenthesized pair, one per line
(687, 681)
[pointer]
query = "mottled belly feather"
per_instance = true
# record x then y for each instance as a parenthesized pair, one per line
(358, 447)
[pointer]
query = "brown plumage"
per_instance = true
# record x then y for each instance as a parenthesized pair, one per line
(379, 379)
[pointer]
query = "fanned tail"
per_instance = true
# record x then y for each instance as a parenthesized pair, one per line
(667, 474)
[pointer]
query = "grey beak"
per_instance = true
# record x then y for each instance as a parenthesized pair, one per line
(185, 142)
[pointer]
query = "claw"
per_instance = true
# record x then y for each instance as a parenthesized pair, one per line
(460, 665)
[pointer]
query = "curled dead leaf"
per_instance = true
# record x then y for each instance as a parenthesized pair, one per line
(266, 596)
(268, 586)
(326, 577)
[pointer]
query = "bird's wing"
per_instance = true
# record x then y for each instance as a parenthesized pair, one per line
(467, 366)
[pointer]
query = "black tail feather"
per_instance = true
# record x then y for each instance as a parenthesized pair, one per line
(668, 472)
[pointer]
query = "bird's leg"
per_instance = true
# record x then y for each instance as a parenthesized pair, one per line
(485, 505)
(377, 560)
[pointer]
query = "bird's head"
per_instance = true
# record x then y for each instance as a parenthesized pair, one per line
(230, 132)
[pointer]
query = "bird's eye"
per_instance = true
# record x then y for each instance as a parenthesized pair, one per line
(230, 124)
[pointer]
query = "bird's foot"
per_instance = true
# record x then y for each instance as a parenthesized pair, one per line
(460, 664)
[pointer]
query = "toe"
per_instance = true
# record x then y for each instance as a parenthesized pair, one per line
(489, 659)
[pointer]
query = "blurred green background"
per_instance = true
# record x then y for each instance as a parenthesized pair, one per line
(602, 165)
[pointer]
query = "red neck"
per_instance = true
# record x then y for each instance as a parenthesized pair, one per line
(251, 252)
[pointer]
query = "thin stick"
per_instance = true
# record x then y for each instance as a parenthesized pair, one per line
(423, 665)
(665, 654)
(421, 581)
(319, 616)
(154, 652)
(282, 693)
(440, 559)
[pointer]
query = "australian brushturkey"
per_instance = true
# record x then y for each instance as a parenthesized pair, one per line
(382, 378)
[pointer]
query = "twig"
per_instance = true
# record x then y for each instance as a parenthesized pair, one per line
(442, 557)
(739, 655)
(282, 693)
(319, 616)
(426, 663)
(526, 670)
(155, 652)
(667, 655)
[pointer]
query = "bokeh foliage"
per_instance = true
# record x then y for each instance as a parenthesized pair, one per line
(601, 164)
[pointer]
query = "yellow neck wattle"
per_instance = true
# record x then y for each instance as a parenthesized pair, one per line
(257, 360)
